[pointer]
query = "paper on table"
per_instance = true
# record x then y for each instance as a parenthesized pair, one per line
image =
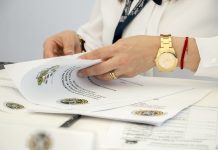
(4, 75)
(33, 119)
(210, 101)
(7, 83)
(154, 111)
(11, 101)
(194, 128)
(25, 137)
(9, 94)
(5, 80)
(54, 83)
(167, 107)
(161, 109)
(14, 109)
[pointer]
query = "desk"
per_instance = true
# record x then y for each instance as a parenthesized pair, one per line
(101, 126)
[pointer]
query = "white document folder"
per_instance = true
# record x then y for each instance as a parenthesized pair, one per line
(28, 138)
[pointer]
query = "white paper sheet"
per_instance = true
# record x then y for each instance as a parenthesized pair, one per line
(51, 82)
(29, 138)
(4, 75)
(155, 111)
(193, 129)
(9, 95)
(167, 107)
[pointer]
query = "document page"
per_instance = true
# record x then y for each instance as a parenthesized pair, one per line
(54, 83)
(14, 109)
(16, 137)
(12, 102)
(193, 129)
(155, 111)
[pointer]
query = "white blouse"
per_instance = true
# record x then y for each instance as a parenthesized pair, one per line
(191, 18)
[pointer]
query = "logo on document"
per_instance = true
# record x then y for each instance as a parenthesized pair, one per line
(14, 106)
(73, 101)
(44, 75)
(40, 141)
(148, 113)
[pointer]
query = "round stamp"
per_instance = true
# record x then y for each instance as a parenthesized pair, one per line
(73, 101)
(148, 113)
(40, 141)
(14, 106)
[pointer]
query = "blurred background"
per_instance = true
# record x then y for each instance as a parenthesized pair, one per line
(25, 24)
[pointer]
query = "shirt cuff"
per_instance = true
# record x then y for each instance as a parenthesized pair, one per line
(208, 50)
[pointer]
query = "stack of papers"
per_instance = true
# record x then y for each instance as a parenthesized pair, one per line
(31, 138)
(52, 86)
(193, 129)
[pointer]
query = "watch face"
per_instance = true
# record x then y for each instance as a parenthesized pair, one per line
(167, 61)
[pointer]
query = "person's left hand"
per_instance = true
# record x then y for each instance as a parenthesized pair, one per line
(128, 57)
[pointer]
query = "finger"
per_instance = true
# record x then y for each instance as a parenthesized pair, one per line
(118, 73)
(101, 68)
(101, 53)
(126, 72)
(49, 49)
(48, 54)
(68, 45)
(58, 52)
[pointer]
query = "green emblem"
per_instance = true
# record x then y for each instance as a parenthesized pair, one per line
(73, 101)
(148, 113)
(44, 75)
(14, 106)
(40, 141)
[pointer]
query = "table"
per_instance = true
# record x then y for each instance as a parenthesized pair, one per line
(101, 126)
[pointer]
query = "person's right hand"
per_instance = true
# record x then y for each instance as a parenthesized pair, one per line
(64, 43)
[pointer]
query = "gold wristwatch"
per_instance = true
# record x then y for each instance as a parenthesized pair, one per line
(166, 59)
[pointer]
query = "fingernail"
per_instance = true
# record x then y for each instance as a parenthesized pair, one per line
(81, 57)
(70, 52)
(80, 74)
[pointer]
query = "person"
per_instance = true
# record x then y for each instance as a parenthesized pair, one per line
(126, 36)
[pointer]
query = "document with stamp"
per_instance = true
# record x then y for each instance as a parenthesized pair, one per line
(194, 128)
(54, 83)
(155, 111)
(23, 137)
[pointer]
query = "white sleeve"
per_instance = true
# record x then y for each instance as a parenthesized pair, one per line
(208, 50)
(91, 32)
